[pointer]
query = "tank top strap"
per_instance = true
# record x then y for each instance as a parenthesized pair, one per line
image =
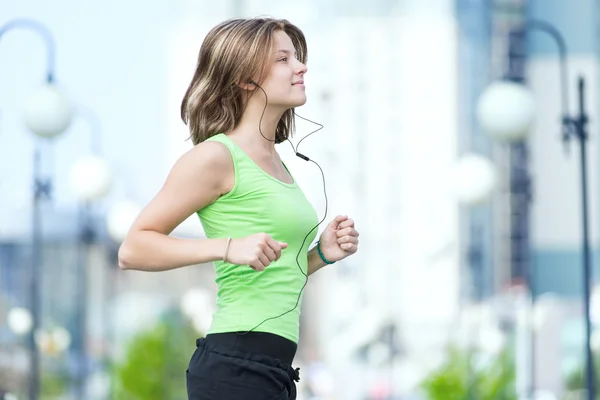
(233, 149)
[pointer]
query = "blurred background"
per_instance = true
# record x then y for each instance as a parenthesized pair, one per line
(461, 135)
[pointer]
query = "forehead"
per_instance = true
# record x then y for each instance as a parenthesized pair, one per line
(283, 42)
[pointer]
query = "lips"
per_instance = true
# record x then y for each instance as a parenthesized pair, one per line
(298, 83)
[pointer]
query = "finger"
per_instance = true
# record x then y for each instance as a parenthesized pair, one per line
(271, 254)
(347, 223)
(346, 232)
(272, 243)
(336, 221)
(264, 260)
(257, 265)
(347, 239)
(273, 249)
(349, 247)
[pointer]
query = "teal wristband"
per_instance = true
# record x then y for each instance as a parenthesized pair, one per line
(326, 261)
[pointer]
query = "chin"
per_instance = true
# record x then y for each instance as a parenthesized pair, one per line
(293, 102)
(299, 102)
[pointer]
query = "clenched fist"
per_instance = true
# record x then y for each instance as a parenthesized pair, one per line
(257, 251)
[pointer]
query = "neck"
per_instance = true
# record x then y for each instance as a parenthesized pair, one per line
(248, 127)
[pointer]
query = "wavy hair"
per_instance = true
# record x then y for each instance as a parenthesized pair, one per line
(232, 53)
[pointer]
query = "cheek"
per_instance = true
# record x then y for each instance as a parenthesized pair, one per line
(282, 76)
(279, 82)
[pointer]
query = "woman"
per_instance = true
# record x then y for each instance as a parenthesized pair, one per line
(258, 223)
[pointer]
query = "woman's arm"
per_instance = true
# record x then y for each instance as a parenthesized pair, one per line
(338, 241)
(315, 262)
(196, 180)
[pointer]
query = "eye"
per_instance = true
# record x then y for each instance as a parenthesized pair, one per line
(284, 59)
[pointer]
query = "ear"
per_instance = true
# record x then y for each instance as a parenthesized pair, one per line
(248, 85)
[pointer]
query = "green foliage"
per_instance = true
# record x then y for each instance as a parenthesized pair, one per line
(54, 384)
(575, 381)
(155, 362)
(454, 379)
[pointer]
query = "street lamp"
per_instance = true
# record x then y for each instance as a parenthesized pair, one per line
(90, 177)
(91, 180)
(196, 305)
(475, 181)
(506, 112)
(19, 320)
(47, 114)
(120, 217)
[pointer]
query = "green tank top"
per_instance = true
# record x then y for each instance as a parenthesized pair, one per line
(258, 203)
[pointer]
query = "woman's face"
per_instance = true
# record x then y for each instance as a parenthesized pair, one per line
(285, 83)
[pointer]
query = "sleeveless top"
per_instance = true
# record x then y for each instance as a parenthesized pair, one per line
(258, 202)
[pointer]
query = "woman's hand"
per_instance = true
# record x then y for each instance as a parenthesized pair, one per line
(339, 239)
(257, 251)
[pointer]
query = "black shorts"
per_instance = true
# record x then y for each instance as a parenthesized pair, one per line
(219, 372)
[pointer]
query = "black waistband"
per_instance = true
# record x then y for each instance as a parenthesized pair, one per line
(257, 343)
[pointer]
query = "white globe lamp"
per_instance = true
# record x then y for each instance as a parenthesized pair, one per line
(197, 306)
(90, 178)
(506, 111)
(193, 300)
(19, 320)
(475, 179)
(120, 218)
(47, 112)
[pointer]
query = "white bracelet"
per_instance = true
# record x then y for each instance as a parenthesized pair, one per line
(226, 249)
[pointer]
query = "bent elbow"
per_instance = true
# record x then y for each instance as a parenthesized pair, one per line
(124, 258)
(123, 264)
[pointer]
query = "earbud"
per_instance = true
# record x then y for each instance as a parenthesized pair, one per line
(252, 82)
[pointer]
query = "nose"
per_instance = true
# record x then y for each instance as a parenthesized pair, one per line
(302, 69)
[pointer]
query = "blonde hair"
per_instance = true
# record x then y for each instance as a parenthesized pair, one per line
(232, 53)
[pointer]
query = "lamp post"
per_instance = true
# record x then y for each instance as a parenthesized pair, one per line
(475, 184)
(19, 322)
(119, 219)
(506, 111)
(47, 114)
(510, 122)
(90, 180)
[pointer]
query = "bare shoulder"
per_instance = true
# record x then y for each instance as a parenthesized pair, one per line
(206, 154)
(197, 179)
(209, 163)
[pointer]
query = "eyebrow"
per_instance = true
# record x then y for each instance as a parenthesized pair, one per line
(285, 51)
